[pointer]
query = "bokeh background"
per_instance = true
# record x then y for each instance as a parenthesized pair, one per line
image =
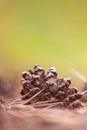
(46, 32)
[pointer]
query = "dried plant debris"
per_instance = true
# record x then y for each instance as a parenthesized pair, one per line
(42, 87)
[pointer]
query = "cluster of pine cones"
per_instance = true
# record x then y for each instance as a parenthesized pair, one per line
(33, 81)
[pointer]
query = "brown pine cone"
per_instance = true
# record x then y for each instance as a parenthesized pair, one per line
(36, 80)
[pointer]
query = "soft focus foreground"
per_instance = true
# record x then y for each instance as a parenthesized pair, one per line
(20, 117)
(26, 118)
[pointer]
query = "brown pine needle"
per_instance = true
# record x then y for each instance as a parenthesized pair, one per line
(79, 75)
(30, 99)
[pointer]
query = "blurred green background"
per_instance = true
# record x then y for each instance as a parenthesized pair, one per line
(47, 32)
